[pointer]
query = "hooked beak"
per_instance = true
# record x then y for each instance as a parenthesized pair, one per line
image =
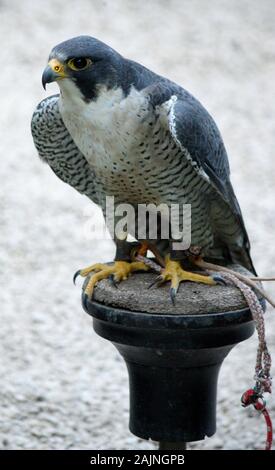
(54, 71)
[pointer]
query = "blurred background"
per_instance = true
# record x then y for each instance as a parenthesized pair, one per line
(62, 387)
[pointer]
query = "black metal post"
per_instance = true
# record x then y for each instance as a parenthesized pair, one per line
(173, 363)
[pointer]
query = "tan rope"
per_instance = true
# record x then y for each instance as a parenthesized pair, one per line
(263, 357)
(245, 279)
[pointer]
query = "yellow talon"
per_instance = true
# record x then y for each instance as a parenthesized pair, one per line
(95, 267)
(120, 270)
(175, 273)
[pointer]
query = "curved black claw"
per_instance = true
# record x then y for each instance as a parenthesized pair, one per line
(219, 280)
(113, 281)
(158, 281)
(173, 293)
(76, 275)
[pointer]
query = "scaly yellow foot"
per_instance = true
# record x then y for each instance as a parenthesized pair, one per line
(118, 271)
(176, 274)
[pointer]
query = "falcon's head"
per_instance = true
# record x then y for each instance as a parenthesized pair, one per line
(88, 64)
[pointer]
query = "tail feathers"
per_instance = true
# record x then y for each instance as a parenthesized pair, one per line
(232, 253)
(242, 257)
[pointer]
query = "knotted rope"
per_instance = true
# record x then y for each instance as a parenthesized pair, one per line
(263, 358)
(254, 396)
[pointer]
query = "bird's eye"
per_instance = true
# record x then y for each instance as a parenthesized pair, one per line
(79, 63)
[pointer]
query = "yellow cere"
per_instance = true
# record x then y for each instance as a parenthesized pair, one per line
(57, 67)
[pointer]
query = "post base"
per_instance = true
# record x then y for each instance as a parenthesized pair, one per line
(173, 363)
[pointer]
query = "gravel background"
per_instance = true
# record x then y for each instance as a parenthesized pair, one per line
(62, 387)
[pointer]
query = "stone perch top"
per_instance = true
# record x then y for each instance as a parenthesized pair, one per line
(192, 298)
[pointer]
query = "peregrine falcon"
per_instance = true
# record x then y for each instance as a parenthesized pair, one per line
(118, 129)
